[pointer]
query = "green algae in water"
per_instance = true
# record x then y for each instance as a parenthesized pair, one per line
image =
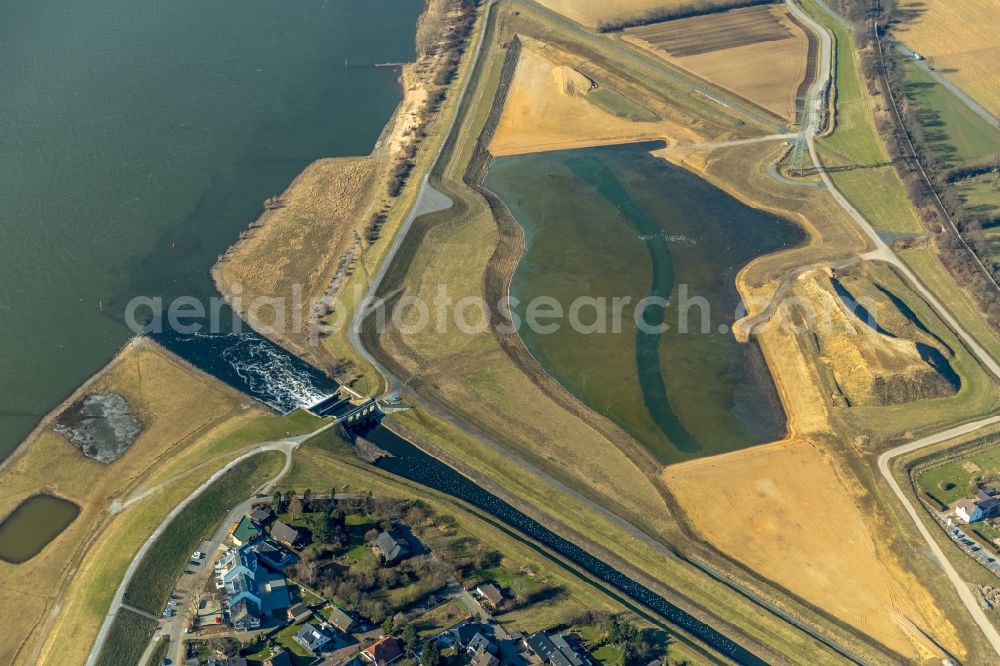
(613, 222)
(33, 525)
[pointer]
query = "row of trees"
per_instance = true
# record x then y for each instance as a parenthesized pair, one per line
(935, 160)
(678, 10)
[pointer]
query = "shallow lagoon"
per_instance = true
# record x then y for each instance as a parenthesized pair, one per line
(33, 524)
(617, 222)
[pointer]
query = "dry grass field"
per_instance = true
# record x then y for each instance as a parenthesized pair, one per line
(177, 407)
(190, 423)
(294, 251)
(595, 13)
(551, 106)
(758, 53)
(789, 515)
(959, 39)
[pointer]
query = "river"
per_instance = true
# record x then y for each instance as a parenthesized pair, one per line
(137, 140)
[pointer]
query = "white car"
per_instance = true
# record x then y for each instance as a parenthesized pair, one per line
(197, 555)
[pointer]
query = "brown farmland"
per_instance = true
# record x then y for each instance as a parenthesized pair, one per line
(760, 53)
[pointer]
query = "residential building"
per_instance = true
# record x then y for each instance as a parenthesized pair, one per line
(491, 595)
(483, 657)
(299, 613)
(553, 649)
(391, 547)
(384, 652)
(480, 642)
(313, 637)
(250, 591)
(983, 507)
(285, 534)
(245, 531)
(261, 516)
(272, 554)
(341, 620)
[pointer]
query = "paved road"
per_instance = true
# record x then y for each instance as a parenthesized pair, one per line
(285, 446)
(973, 105)
(882, 252)
(964, 592)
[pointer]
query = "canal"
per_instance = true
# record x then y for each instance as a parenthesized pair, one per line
(411, 463)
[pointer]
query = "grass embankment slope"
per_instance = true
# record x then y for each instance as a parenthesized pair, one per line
(878, 192)
(286, 261)
(959, 39)
(758, 53)
(191, 424)
(475, 378)
(162, 565)
(328, 461)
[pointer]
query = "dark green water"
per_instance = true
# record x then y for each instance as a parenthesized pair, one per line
(32, 525)
(138, 138)
(617, 222)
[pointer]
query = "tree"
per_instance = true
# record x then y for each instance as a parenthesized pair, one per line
(326, 528)
(295, 507)
(431, 654)
(276, 501)
(410, 638)
(307, 499)
(387, 626)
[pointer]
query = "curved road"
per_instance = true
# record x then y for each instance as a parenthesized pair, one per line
(814, 107)
(286, 446)
(964, 592)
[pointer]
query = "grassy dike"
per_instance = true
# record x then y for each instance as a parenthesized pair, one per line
(328, 461)
(879, 193)
(555, 497)
(160, 567)
(113, 542)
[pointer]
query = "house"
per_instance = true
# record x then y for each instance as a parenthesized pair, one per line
(983, 507)
(299, 613)
(249, 590)
(484, 658)
(245, 531)
(391, 547)
(553, 649)
(465, 632)
(279, 659)
(260, 516)
(272, 554)
(480, 642)
(384, 652)
(229, 661)
(282, 533)
(341, 620)
(491, 594)
(313, 637)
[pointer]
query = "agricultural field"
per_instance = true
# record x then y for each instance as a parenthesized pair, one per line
(961, 40)
(955, 133)
(758, 53)
(600, 13)
(817, 544)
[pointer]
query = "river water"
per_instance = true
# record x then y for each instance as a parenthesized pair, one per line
(137, 139)
(411, 463)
